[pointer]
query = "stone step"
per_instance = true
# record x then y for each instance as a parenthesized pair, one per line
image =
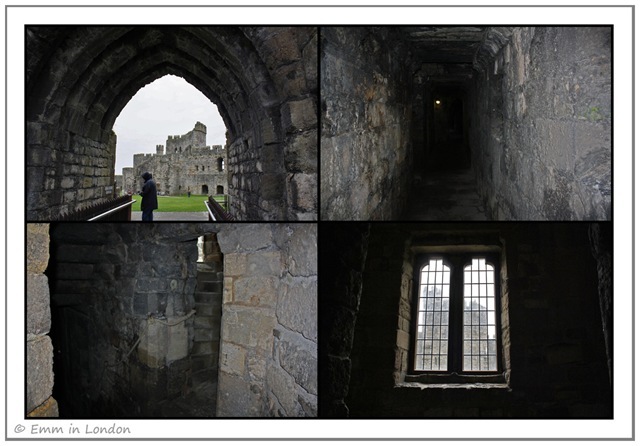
(206, 375)
(208, 277)
(206, 322)
(208, 297)
(209, 267)
(206, 335)
(211, 287)
(204, 362)
(204, 349)
(208, 308)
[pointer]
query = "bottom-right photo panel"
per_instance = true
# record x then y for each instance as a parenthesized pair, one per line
(466, 320)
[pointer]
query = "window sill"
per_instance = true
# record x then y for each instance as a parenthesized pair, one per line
(416, 385)
(454, 380)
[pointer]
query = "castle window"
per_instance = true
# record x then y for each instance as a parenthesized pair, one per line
(456, 334)
(196, 168)
(220, 164)
(432, 338)
(479, 317)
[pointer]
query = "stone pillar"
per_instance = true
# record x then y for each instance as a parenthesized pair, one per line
(40, 403)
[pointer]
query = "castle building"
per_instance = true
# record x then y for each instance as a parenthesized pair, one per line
(186, 165)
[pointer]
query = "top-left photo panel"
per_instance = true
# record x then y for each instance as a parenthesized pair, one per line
(175, 123)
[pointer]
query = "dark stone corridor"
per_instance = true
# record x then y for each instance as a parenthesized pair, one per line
(518, 117)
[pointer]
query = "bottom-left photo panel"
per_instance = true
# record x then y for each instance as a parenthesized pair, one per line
(171, 320)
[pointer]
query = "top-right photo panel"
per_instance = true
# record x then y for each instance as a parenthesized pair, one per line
(462, 123)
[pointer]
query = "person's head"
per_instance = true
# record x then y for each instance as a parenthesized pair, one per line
(146, 176)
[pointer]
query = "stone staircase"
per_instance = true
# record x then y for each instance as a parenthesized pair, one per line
(206, 343)
(200, 400)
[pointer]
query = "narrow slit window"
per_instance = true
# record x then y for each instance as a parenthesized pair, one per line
(433, 317)
(479, 318)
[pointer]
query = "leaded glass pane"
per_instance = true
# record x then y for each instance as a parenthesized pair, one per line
(431, 348)
(479, 317)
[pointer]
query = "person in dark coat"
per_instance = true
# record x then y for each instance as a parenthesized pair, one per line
(149, 197)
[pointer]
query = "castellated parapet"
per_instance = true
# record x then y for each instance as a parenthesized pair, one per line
(187, 165)
(195, 138)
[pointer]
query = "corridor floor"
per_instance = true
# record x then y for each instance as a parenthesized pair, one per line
(447, 195)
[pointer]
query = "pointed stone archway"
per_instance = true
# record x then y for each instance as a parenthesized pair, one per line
(263, 80)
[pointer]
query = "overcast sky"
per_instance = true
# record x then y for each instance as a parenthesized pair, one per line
(167, 106)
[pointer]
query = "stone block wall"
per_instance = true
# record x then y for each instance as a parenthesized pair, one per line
(273, 156)
(552, 329)
(541, 123)
(123, 300)
(187, 165)
(268, 347)
(366, 151)
(39, 360)
(178, 173)
(68, 170)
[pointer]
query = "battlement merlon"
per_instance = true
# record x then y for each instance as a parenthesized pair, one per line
(142, 156)
(200, 127)
(159, 149)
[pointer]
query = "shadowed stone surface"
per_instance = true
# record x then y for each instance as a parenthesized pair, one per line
(39, 376)
(450, 195)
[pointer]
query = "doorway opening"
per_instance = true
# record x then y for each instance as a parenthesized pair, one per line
(447, 129)
(207, 325)
(168, 104)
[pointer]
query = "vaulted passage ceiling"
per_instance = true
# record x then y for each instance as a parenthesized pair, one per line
(263, 80)
(444, 44)
(94, 71)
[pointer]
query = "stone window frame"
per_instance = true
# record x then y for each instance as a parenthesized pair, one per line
(456, 261)
(445, 246)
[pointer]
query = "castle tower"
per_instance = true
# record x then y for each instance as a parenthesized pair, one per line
(199, 135)
(159, 149)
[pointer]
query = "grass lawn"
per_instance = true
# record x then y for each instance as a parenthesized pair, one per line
(178, 204)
